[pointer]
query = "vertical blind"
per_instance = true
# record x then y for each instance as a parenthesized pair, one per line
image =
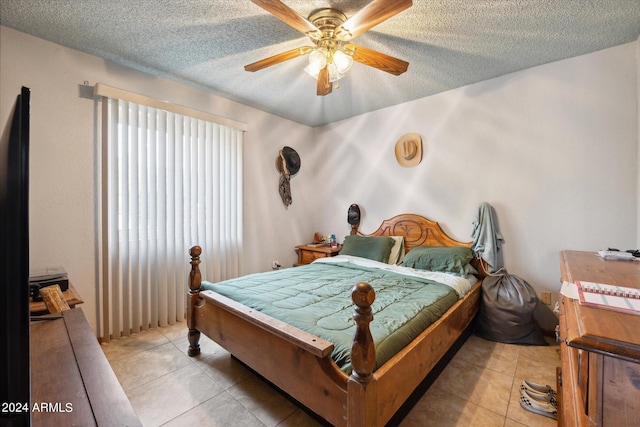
(169, 181)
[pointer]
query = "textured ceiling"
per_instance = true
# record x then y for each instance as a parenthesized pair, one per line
(206, 43)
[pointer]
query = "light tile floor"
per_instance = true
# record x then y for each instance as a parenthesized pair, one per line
(479, 387)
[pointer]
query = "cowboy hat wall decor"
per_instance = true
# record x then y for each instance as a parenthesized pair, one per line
(287, 164)
(408, 150)
(289, 158)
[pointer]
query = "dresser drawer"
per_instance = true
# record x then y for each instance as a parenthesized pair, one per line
(308, 254)
(307, 257)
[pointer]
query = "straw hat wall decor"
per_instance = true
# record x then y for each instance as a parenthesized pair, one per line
(408, 150)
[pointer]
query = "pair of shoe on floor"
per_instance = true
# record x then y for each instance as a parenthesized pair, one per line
(539, 399)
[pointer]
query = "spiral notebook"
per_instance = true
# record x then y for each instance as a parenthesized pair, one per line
(618, 298)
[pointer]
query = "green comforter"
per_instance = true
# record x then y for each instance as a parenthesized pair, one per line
(317, 298)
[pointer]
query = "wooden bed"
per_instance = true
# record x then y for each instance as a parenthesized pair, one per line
(300, 363)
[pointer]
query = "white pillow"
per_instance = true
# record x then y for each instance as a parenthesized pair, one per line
(397, 250)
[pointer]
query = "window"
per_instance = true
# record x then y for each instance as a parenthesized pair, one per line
(170, 180)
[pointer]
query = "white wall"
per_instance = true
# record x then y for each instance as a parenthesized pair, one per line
(553, 149)
(63, 158)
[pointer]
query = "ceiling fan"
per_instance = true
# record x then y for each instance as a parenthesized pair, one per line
(329, 57)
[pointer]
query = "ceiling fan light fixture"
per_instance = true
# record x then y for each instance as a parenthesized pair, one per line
(328, 29)
(337, 63)
(317, 61)
(318, 58)
(334, 73)
(343, 61)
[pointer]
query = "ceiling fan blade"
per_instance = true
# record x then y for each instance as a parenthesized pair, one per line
(369, 16)
(276, 59)
(376, 59)
(289, 16)
(324, 85)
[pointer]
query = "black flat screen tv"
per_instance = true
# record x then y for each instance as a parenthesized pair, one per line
(15, 382)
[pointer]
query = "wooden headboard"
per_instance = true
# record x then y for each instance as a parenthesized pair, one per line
(420, 231)
(417, 231)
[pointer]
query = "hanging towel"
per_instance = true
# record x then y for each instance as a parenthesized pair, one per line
(487, 240)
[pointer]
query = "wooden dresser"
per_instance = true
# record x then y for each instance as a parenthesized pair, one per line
(599, 382)
(71, 380)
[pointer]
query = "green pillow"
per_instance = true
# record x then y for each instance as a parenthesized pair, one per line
(450, 259)
(376, 248)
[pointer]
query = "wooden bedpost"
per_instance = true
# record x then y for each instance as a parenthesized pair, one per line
(195, 281)
(361, 387)
(363, 353)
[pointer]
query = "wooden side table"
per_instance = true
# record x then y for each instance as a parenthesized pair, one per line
(307, 254)
(71, 296)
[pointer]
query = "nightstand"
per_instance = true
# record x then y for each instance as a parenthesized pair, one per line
(307, 254)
